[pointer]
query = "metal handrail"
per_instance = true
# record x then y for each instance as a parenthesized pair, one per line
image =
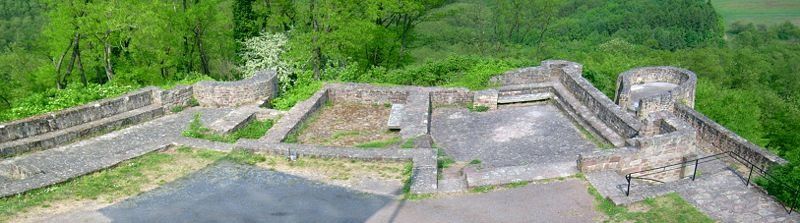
(765, 175)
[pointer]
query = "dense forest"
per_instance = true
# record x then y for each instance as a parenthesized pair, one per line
(60, 53)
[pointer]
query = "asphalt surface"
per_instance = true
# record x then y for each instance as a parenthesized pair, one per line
(237, 193)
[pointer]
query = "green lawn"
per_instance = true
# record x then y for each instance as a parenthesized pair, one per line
(759, 11)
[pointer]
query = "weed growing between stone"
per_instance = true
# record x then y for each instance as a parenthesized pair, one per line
(596, 141)
(253, 130)
(380, 143)
(408, 144)
(667, 208)
(478, 108)
(475, 162)
(408, 171)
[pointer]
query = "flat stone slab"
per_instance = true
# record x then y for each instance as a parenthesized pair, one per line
(233, 121)
(509, 137)
(524, 173)
(416, 120)
(396, 116)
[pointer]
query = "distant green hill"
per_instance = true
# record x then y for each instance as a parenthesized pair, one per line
(759, 11)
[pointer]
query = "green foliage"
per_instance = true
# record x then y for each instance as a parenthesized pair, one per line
(301, 91)
(54, 100)
(475, 162)
(253, 130)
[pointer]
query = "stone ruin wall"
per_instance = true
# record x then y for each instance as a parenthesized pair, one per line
(180, 96)
(263, 86)
(611, 114)
(68, 118)
(669, 141)
(684, 93)
(711, 134)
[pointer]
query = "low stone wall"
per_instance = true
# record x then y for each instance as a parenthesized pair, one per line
(673, 142)
(711, 133)
(569, 74)
(180, 96)
(292, 120)
(459, 97)
(527, 75)
(683, 93)
(70, 117)
(424, 170)
(261, 87)
(365, 93)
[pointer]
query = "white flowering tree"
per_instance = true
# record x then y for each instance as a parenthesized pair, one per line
(265, 51)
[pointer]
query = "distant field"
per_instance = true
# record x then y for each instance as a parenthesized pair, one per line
(759, 11)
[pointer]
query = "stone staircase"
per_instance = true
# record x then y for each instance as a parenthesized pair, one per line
(581, 113)
(74, 133)
(453, 179)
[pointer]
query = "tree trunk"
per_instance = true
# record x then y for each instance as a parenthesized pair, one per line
(107, 56)
(60, 61)
(198, 35)
(317, 60)
(75, 55)
(77, 52)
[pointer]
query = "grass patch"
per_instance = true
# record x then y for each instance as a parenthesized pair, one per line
(408, 144)
(667, 208)
(483, 189)
(380, 143)
(253, 130)
(517, 184)
(477, 108)
(475, 162)
(242, 156)
(758, 11)
(126, 179)
(443, 160)
(600, 143)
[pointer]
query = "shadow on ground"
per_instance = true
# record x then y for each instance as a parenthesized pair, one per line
(238, 193)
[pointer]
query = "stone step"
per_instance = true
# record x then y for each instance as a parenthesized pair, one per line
(68, 135)
(524, 98)
(233, 121)
(505, 175)
(396, 116)
(575, 107)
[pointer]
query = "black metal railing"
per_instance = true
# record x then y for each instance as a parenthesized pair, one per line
(643, 175)
(790, 204)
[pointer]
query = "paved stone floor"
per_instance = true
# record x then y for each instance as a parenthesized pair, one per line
(566, 201)
(724, 197)
(511, 136)
(58, 164)
(236, 193)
